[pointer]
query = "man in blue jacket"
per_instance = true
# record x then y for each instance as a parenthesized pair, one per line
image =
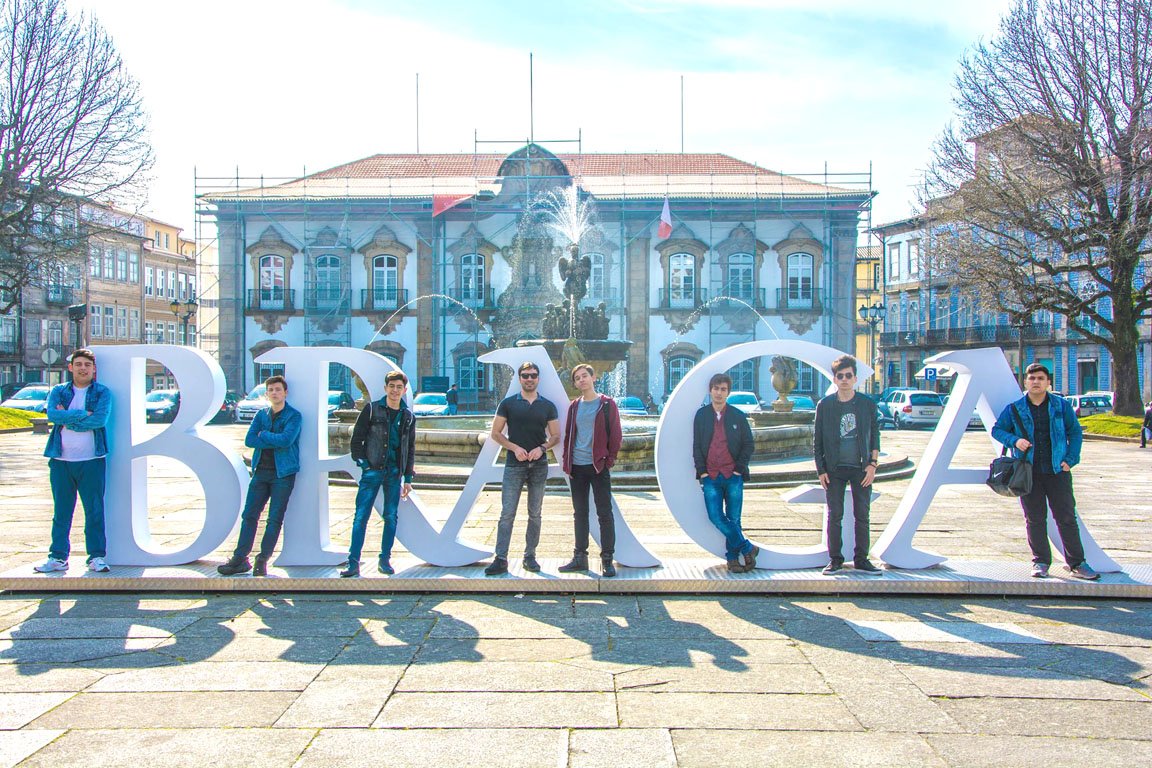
(1043, 428)
(274, 437)
(78, 412)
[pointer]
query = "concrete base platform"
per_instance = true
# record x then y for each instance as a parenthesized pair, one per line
(683, 576)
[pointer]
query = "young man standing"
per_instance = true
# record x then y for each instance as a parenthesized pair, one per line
(274, 437)
(846, 445)
(453, 398)
(78, 412)
(533, 427)
(1043, 428)
(722, 446)
(592, 438)
(384, 446)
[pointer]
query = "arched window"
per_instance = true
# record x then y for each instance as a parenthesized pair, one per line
(800, 280)
(328, 288)
(472, 279)
(272, 282)
(741, 280)
(681, 280)
(744, 376)
(678, 368)
(470, 374)
(385, 273)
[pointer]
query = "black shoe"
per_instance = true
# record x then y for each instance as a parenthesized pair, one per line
(385, 567)
(832, 568)
(735, 566)
(607, 569)
(575, 565)
(866, 567)
(499, 566)
(260, 567)
(351, 570)
(531, 565)
(234, 566)
(750, 559)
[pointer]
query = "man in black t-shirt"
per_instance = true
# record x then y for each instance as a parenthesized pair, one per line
(533, 427)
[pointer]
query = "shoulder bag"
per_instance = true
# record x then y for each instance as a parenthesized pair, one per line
(1010, 475)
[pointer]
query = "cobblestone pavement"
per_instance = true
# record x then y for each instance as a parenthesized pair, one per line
(446, 680)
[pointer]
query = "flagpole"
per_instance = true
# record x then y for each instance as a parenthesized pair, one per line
(681, 114)
(417, 113)
(531, 104)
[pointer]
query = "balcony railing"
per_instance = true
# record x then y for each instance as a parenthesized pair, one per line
(376, 299)
(59, 294)
(271, 300)
(609, 296)
(333, 300)
(476, 298)
(738, 298)
(789, 300)
(974, 335)
(682, 298)
(8, 346)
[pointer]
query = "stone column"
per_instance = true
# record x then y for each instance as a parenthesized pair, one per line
(639, 283)
(426, 360)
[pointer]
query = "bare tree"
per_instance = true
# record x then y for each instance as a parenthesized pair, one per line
(72, 130)
(1042, 189)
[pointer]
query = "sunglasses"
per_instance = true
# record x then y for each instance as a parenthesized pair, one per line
(845, 376)
(529, 375)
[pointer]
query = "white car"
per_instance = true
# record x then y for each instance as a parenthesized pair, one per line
(33, 398)
(430, 404)
(745, 401)
(253, 402)
(917, 408)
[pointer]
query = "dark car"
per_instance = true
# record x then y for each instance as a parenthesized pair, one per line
(631, 406)
(227, 413)
(162, 404)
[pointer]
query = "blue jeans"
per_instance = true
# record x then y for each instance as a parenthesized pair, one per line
(371, 481)
(724, 500)
(264, 486)
(533, 474)
(67, 479)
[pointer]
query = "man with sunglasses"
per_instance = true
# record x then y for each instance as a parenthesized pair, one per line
(847, 452)
(533, 427)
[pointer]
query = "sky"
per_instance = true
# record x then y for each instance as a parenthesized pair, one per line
(277, 88)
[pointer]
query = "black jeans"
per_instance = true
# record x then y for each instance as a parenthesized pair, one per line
(1055, 492)
(585, 476)
(838, 479)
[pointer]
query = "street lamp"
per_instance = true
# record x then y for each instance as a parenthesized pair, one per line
(873, 315)
(184, 311)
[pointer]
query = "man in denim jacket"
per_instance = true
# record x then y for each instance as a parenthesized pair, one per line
(274, 436)
(1050, 442)
(78, 412)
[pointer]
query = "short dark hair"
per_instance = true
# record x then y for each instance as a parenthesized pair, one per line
(718, 379)
(277, 379)
(582, 367)
(842, 362)
(392, 376)
(83, 352)
(526, 365)
(1038, 368)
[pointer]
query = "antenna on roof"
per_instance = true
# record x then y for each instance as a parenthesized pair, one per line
(417, 113)
(531, 104)
(681, 114)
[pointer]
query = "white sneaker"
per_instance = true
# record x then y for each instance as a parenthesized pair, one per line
(97, 565)
(51, 565)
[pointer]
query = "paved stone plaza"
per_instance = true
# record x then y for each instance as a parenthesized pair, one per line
(563, 680)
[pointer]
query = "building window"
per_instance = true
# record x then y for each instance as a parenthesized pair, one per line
(681, 280)
(56, 334)
(122, 265)
(741, 281)
(894, 261)
(800, 280)
(913, 258)
(470, 374)
(134, 325)
(807, 380)
(94, 257)
(744, 376)
(192, 287)
(109, 263)
(95, 323)
(156, 238)
(148, 337)
(191, 341)
(472, 279)
(109, 322)
(172, 333)
(182, 279)
(161, 277)
(328, 289)
(272, 281)
(264, 370)
(148, 274)
(172, 284)
(133, 267)
(385, 275)
(678, 368)
(598, 282)
(121, 322)
(167, 242)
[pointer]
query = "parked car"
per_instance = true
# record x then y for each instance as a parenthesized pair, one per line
(631, 406)
(1089, 405)
(745, 401)
(974, 421)
(430, 404)
(802, 403)
(338, 401)
(1102, 393)
(31, 398)
(8, 390)
(227, 412)
(254, 402)
(162, 404)
(915, 408)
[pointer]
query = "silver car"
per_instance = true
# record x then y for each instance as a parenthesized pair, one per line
(918, 408)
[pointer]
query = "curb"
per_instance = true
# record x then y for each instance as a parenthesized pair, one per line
(15, 430)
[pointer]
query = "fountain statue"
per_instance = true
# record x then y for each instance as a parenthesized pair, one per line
(783, 372)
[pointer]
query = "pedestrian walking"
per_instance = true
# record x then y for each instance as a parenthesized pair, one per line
(453, 398)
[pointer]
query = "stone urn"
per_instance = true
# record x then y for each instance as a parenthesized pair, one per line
(784, 381)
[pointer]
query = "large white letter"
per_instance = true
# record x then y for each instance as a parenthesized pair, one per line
(220, 470)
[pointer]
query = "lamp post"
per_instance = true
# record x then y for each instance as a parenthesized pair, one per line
(184, 311)
(873, 315)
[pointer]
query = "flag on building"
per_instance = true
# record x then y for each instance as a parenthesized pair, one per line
(665, 229)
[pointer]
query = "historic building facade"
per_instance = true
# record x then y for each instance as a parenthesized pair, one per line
(434, 259)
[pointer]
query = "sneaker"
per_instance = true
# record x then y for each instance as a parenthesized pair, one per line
(832, 568)
(499, 565)
(607, 568)
(735, 566)
(51, 565)
(97, 565)
(351, 570)
(530, 564)
(866, 567)
(577, 564)
(385, 567)
(750, 559)
(1039, 570)
(234, 566)
(1085, 572)
(260, 566)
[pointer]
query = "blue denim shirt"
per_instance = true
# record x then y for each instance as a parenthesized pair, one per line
(281, 436)
(94, 417)
(1064, 427)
